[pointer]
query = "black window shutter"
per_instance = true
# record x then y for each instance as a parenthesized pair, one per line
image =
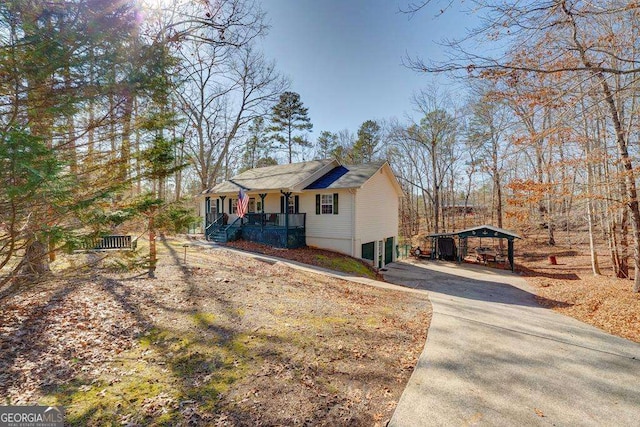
(207, 204)
(296, 204)
(281, 204)
(335, 203)
(317, 204)
(230, 207)
(217, 205)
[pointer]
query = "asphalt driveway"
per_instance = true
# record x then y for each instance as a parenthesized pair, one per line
(495, 357)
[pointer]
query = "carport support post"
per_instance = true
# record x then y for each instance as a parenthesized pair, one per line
(510, 253)
(434, 247)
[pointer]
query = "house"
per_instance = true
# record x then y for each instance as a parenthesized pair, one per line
(320, 203)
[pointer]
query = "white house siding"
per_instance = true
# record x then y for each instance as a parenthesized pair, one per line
(332, 232)
(377, 206)
(271, 202)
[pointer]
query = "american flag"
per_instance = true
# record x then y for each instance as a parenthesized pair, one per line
(243, 203)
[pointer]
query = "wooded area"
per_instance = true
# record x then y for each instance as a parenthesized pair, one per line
(551, 123)
(116, 110)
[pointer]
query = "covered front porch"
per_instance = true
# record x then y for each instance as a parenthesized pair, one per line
(284, 229)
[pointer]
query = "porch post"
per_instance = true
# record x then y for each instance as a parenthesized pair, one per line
(222, 208)
(262, 220)
(207, 211)
(222, 203)
(286, 216)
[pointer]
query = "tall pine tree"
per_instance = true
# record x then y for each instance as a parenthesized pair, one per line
(326, 144)
(289, 119)
(256, 146)
(366, 146)
(47, 51)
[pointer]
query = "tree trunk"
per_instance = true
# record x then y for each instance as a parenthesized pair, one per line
(290, 146)
(137, 145)
(497, 183)
(629, 175)
(551, 240)
(610, 220)
(595, 267)
(629, 180)
(436, 190)
(467, 195)
(623, 271)
(34, 263)
(613, 247)
(125, 149)
(153, 254)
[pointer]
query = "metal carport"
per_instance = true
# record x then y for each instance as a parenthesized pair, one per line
(481, 231)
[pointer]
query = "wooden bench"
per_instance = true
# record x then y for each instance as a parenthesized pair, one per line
(108, 243)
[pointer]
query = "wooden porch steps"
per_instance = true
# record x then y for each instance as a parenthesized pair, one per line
(219, 236)
(224, 234)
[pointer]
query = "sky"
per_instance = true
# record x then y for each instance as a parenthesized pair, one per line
(344, 57)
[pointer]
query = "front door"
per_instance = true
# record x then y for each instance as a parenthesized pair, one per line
(388, 250)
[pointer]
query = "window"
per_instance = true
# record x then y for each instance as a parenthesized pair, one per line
(368, 250)
(293, 206)
(258, 205)
(252, 205)
(326, 204)
(234, 205)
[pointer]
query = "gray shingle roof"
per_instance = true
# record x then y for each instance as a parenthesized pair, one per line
(273, 177)
(316, 174)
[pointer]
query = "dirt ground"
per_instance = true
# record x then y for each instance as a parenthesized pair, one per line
(571, 288)
(224, 340)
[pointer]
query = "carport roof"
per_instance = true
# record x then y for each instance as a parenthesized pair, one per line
(488, 231)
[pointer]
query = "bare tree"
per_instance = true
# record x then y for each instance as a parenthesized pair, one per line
(578, 41)
(436, 132)
(223, 91)
(489, 134)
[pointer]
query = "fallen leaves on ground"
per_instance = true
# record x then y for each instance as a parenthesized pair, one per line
(571, 288)
(223, 340)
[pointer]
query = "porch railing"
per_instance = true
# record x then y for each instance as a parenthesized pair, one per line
(213, 220)
(232, 231)
(275, 220)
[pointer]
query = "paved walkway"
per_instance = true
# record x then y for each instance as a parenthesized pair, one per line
(495, 357)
